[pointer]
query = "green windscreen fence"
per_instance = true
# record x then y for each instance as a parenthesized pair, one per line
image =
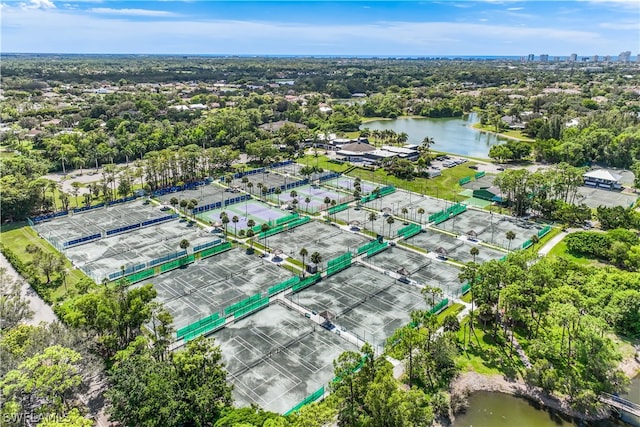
(439, 306)
(251, 308)
(465, 288)
(544, 231)
(364, 248)
(141, 275)
(381, 247)
(205, 329)
(479, 175)
(305, 283)
(215, 250)
(286, 219)
(168, 266)
(283, 285)
(196, 325)
(339, 208)
(241, 304)
(338, 264)
(309, 399)
(465, 180)
(526, 244)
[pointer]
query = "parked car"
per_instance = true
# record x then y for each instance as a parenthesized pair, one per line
(474, 167)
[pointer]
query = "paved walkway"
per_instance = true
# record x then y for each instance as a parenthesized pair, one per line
(546, 248)
(42, 311)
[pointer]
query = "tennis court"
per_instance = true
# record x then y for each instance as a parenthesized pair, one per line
(328, 240)
(266, 180)
(491, 228)
(594, 197)
(256, 210)
(208, 286)
(292, 169)
(454, 248)
(399, 261)
(364, 302)
(67, 228)
(440, 274)
(109, 255)
(361, 218)
(204, 195)
(316, 194)
(348, 184)
(482, 182)
(400, 199)
(276, 357)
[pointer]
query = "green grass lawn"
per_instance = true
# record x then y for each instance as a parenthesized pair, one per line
(484, 356)
(560, 250)
(445, 186)
(454, 309)
(16, 236)
(516, 134)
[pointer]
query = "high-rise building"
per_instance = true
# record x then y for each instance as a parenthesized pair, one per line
(573, 57)
(594, 58)
(624, 56)
(530, 57)
(607, 58)
(638, 57)
(544, 57)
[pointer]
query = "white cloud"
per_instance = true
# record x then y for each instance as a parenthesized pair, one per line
(515, 8)
(629, 25)
(132, 12)
(63, 31)
(38, 4)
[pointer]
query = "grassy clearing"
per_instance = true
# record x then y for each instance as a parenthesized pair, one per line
(560, 251)
(453, 309)
(484, 356)
(444, 187)
(513, 134)
(16, 236)
(466, 297)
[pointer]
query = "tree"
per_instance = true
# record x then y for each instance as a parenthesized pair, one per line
(225, 221)
(263, 229)
(278, 191)
(174, 202)
(250, 234)
(420, 212)
(316, 258)
(303, 254)
(510, 236)
(184, 244)
(183, 205)
(307, 200)
(405, 211)
(48, 378)
(75, 185)
(474, 252)
(372, 217)
(235, 221)
(14, 309)
(390, 221)
(189, 388)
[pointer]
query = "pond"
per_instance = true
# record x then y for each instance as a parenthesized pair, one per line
(453, 135)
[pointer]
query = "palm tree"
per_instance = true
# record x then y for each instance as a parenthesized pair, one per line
(534, 239)
(225, 221)
(184, 244)
(183, 204)
(474, 251)
(235, 220)
(278, 191)
(405, 211)
(307, 200)
(293, 194)
(260, 186)
(303, 254)
(420, 212)
(250, 224)
(390, 221)
(250, 186)
(245, 180)
(372, 218)
(265, 227)
(333, 204)
(316, 258)
(510, 236)
(327, 200)
(75, 185)
(250, 234)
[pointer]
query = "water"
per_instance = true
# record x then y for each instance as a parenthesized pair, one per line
(634, 390)
(491, 409)
(450, 135)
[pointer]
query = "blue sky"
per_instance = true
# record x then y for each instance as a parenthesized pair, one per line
(385, 28)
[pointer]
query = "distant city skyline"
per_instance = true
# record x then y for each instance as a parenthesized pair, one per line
(587, 28)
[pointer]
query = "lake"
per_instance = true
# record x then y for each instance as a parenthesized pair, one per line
(498, 409)
(450, 135)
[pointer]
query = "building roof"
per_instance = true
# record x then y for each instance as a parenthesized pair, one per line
(275, 126)
(358, 147)
(399, 150)
(602, 174)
